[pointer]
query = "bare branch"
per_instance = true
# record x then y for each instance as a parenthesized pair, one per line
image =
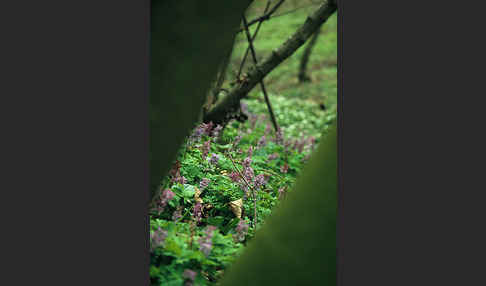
(252, 38)
(269, 16)
(262, 85)
(311, 25)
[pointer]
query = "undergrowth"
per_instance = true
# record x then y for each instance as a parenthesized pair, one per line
(205, 213)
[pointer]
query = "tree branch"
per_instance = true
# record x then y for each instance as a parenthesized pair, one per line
(252, 38)
(262, 85)
(266, 16)
(231, 102)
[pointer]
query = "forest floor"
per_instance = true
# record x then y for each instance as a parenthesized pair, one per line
(225, 183)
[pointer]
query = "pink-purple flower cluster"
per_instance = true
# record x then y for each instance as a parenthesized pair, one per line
(214, 159)
(246, 162)
(216, 130)
(249, 174)
(197, 213)
(158, 237)
(204, 184)
(250, 151)
(234, 176)
(207, 128)
(179, 179)
(177, 215)
(241, 230)
(165, 197)
(175, 172)
(205, 149)
(190, 276)
(206, 242)
(197, 134)
(262, 142)
(260, 181)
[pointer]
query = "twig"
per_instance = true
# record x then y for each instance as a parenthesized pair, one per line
(262, 85)
(265, 16)
(230, 102)
(253, 38)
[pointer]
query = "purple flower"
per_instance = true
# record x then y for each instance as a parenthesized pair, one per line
(197, 212)
(208, 127)
(214, 159)
(206, 242)
(179, 179)
(250, 151)
(216, 130)
(196, 135)
(249, 174)
(246, 162)
(158, 237)
(205, 149)
(175, 171)
(241, 230)
(259, 181)
(166, 196)
(234, 176)
(262, 142)
(189, 274)
(204, 183)
(177, 215)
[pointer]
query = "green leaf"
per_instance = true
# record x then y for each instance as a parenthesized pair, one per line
(188, 191)
(216, 221)
(172, 247)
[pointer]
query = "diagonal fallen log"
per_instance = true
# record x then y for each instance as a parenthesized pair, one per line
(230, 103)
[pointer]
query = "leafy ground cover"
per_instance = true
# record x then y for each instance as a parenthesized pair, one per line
(226, 182)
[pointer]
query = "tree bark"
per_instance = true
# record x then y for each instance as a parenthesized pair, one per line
(230, 103)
